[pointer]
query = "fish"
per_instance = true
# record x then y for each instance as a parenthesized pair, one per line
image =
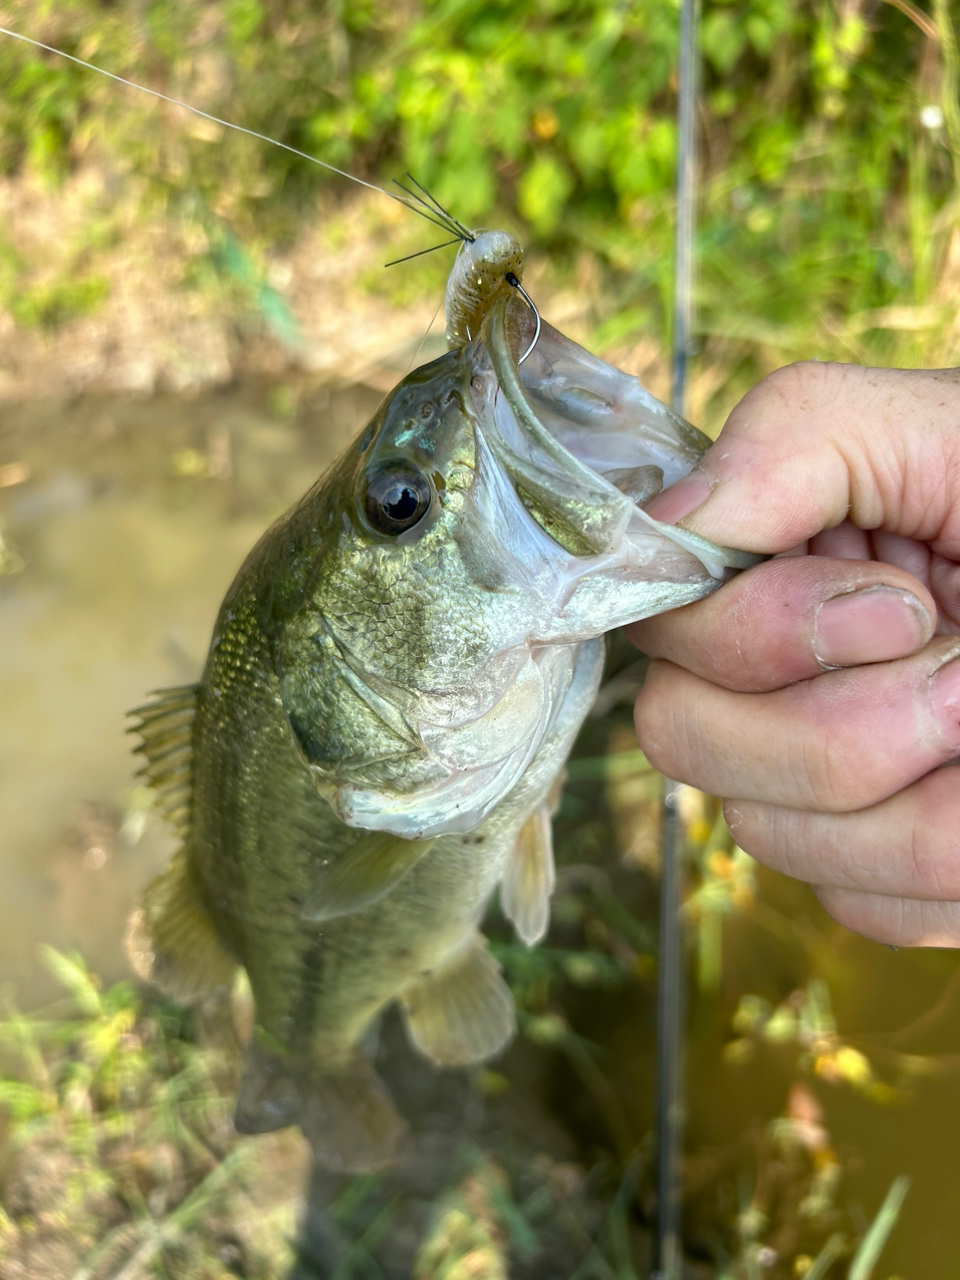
(396, 676)
(394, 682)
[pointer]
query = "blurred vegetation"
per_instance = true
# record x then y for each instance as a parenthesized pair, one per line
(120, 1161)
(831, 147)
(120, 1156)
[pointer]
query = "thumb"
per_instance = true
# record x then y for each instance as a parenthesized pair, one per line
(815, 444)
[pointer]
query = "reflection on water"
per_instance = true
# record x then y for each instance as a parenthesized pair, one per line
(122, 522)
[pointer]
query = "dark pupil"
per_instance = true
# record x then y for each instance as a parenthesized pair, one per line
(397, 499)
(400, 502)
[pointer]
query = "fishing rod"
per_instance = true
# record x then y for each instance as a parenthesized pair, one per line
(671, 1003)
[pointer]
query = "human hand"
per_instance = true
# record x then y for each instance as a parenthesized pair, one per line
(820, 691)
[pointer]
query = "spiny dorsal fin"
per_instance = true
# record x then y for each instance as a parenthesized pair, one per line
(165, 728)
(171, 940)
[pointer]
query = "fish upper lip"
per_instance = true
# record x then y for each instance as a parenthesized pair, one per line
(534, 405)
(547, 437)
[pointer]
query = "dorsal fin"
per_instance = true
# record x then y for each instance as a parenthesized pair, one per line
(171, 940)
(165, 728)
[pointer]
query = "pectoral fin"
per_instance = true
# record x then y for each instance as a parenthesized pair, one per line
(462, 1012)
(362, 875)
(529, 878)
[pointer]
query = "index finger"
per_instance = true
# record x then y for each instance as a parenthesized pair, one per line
(814, 444)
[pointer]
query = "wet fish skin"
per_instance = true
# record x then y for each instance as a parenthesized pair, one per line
(374, 699)
(272, 711)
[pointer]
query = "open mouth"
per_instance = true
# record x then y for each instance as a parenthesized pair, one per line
(586, 446)
(556, 549)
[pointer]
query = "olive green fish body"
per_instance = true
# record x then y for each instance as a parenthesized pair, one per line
(395, 680)
(260, 831)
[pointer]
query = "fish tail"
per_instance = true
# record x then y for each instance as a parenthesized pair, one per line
(346, 1115)
(171, 940)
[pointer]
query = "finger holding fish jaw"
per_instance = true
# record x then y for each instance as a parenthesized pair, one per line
(791, 619)
(812, 690)
(814, 694)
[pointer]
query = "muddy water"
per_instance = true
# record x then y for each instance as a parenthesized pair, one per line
(124, 526)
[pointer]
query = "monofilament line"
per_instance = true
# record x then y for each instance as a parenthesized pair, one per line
(227, 124)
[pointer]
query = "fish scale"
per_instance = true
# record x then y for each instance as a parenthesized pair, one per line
(396, 678)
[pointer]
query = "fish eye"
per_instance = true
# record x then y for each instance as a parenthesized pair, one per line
(396, 499)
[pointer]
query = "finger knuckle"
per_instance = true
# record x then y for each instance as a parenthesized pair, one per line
(932, 852)
(832, 779)
(651, 720)
(837, 765)
(797, 385)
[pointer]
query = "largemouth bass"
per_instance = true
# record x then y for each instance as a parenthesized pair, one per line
(395, 679)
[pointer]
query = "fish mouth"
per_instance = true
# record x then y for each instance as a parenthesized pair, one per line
(586, 445)
(552, 538)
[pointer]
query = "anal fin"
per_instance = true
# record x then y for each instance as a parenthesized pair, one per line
(529, 878)
(346, 1115)
(463, 1012)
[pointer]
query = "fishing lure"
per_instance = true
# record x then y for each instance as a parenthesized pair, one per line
(488, 265)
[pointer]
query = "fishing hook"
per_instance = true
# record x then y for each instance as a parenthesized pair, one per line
(512, 280)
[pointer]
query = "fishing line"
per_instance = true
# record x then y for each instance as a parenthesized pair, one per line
(426, 335)
(421, 201)
(227, 124)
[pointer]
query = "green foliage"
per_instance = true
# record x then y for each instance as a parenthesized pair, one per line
(47, 306)
(827, 202)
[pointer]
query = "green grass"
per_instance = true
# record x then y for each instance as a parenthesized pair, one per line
(120, 1157)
